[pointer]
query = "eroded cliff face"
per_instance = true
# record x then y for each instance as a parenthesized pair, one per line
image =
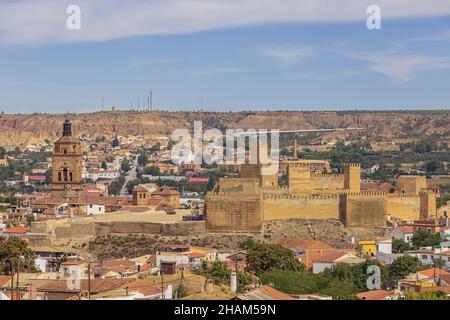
(35, 128)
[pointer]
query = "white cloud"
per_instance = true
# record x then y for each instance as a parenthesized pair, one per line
(288, 54)
(400, 65)
(44, 21)
(443, 35)
(211, 72)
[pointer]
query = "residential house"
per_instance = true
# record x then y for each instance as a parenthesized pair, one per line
(429, 278)
(329, 259)
(404, 233)
(264, 293)
(377, 295)
(306, 250)
(48, 259)
(185, 256)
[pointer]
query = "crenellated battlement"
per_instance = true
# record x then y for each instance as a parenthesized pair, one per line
(327, 175)
(301, 196)
(235, 195)
(356, 165)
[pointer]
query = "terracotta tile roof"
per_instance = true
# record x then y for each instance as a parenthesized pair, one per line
(406, 229)
(164, 191)
(374, 295)
(433, 271)
(198, 180)
(444, 253)
(330, 256)
(16, 230)
(72, 263)
(176, 246)
(196, 254)
(432, 186)
(265, 293)
(4, 281)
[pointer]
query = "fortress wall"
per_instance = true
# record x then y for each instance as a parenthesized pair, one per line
(363, 211)
(326, 182)
(75, 230)
(82, 230)
(233, 213)
(39, 227)
(411, 184)
(239, 185)
(183, 228)
(38, 240)
(404, 206)
(63, 232)
(427, 205)
(301, 207)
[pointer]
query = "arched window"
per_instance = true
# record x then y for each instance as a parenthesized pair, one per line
(59, 176)
(70, 176)
(65, 174)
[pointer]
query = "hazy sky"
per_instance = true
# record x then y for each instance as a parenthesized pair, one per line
(224, 55)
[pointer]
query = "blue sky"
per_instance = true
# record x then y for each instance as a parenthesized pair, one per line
(302, 63)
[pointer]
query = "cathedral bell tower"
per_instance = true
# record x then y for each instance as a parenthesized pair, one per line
(66, 165)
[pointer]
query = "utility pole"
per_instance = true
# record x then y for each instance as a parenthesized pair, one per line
(89, 279)
(12, 279)
(181, 281)
(162, 284)
(17, 279)
(151, 100)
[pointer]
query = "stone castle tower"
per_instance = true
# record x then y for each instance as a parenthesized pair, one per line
(66, 165)
(352, 177)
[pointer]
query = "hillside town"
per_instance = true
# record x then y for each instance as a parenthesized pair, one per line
(348, 215)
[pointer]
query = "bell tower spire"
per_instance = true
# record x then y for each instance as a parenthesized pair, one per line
(67, 128)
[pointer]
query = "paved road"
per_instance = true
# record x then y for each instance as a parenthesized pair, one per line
(131, 175)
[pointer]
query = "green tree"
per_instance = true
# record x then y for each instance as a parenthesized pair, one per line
(153, 171)
(291, 282)
(402, 266)
(303, 282)
(434, 166)
(265, 257)
(400, 246)
(422, 238)
(356, 273)
(125, 166)
(14, 254)
(248, 243)
(142, 159)
(438, 263)
(412, 295)
(115, 142)
(217, 270)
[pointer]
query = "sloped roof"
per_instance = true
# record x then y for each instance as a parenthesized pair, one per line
(374, 295)
(164, 191)
(265, 293)
(432, 272)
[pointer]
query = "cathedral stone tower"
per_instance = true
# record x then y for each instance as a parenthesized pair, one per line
(66, 165)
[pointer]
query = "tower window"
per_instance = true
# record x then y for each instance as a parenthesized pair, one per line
(65, 151)
(71, 176)
(65, 174)
(59, 176)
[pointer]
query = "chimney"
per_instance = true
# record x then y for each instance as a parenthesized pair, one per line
(233, 282)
